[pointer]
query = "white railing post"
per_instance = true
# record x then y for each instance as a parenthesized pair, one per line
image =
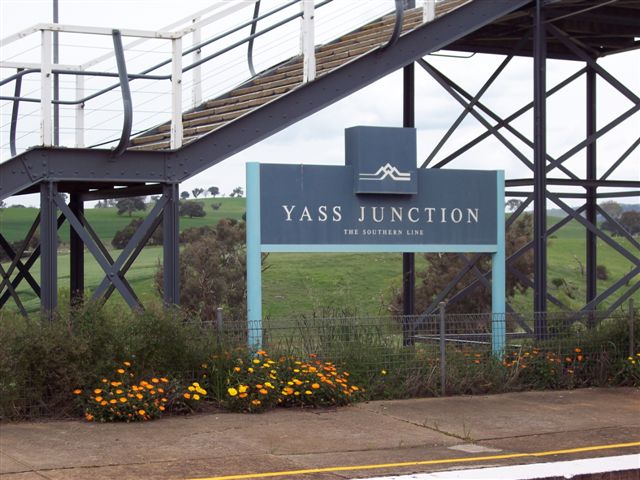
(176, 93)
(196, 87)
(45, 89)
(428, 10)
(79, 111)
(307, 41)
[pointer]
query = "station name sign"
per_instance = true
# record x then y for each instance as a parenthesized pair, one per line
(379, 197)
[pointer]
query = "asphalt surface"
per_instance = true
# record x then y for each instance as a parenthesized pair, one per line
(364, 440)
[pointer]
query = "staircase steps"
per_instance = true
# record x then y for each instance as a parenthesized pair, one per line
(274, 83)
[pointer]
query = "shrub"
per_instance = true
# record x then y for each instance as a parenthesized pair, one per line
(601, 272)
(122, 237)
(191, 209)
(126, 398)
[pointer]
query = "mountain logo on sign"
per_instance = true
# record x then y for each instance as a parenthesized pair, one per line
(386, 171)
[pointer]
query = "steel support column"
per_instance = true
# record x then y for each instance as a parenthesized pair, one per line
(76, 254)
(170, 242)
(48, 249)
(408, 121)
(539, 173)
(408, 258)
(591, 212)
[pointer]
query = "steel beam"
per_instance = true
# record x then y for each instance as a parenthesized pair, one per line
(76, 254)
(171, 245)
(539, 173)
(591, 198)
(408, 258)
(48, 249)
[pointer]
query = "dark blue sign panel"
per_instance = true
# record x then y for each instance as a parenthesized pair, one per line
(316, 205)
(383, 159)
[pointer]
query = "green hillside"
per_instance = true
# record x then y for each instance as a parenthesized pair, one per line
(302, 283)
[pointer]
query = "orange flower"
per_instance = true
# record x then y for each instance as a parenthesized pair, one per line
(578, 350)
(264, 391)
(141, 412)
(123, 399)
(126, 364)
(89, 417)
(112, 401)
(97, 391)
(315, 386)
(186, 395)
(120, 370)
(161, 408)
(155, 380)
(99, 399)
(77, 391)
(164, 380)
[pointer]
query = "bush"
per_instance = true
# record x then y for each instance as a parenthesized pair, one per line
(122, 237)
(191, 209)
(601, 272)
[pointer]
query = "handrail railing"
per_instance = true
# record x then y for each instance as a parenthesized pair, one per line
(46, 68)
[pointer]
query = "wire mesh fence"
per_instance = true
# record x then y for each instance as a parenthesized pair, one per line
(387, 356)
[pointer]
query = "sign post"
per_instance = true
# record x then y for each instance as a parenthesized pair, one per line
(378, 202)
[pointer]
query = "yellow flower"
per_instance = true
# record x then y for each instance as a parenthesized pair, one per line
(236, 369)
(77, 391)
(308, 392)
(118, 392)
(155, 380)
(232, 392)
(242, 388)
(250, 370)
(123, 399)
(201, 391)
(383, 372)
(114, 384)
(256, 361)
(139, 396)
(191, 388)
(268, 385)
(315, 386)
(196, 396)
(112, 401)
(141, 412)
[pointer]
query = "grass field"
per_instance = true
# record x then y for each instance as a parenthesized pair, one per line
(303, 283)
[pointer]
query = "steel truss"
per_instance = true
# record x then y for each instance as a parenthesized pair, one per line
(164, 212)
(541, 166)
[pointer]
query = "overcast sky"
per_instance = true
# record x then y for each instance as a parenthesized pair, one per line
(319, 138)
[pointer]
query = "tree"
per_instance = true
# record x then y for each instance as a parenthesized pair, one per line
(613, 209)
(122, 237)
(196, 192)
(130, 205)
(630, 220)
(237, 192)
(184, 195)
(442, 268)
(216, 206)
(214, 191)
(513, 204)
(191, 209)
(212, 274)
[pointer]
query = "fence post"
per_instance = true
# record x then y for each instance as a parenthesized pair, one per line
(307, 41)
(632, 346)
(196, 87)
(443, 356)
(45, 89)
(428, 10)
(79, 112)
(176, 93)
(219, 318)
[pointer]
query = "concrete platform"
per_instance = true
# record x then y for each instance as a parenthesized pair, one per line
(417, 435)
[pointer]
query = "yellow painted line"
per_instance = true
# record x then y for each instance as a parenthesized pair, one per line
(445, 461)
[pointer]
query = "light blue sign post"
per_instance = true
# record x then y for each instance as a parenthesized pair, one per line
(378, 202)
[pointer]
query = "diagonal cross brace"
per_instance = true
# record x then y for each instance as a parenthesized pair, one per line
(138, 239)
(6, 279)
(27, 266)
(16, 257)
(124, 289)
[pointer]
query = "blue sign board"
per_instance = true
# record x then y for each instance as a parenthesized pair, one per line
(378, 202)
(315, 205)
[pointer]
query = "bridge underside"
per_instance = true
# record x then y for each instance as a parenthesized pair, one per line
(567, 30)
